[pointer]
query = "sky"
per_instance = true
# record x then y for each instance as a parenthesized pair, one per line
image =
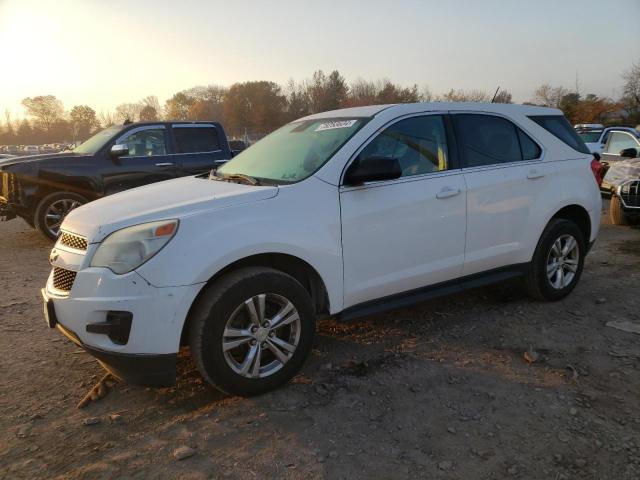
(103, 53)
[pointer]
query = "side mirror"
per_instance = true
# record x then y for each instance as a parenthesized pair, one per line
(629, 153)
(119, 150)
(372, 169)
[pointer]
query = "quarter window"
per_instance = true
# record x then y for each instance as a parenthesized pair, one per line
(619, 141)
(490, 140)
(558, 126)
(145, 143)
(418, 143)
(196, 139)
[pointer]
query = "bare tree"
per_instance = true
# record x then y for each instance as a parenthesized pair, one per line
(466, 96)
(46, 109)
(128, 112)
(549, 96)
(503, 96)
(631, 92)
(106, 119)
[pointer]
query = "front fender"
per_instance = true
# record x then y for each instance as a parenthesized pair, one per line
(302, 221)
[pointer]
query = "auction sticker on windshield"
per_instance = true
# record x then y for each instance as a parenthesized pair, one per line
(336, 124)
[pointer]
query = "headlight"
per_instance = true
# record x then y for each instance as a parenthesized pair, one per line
(127, 249)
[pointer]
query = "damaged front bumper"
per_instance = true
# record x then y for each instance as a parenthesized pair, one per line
(7, 211)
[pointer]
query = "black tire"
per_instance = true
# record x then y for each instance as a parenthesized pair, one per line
(616, 213)
(537, 284)
(217, 305)
(39, 220)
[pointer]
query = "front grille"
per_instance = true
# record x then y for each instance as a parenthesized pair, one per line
(630, 194)
(63, 279)
(73, 241)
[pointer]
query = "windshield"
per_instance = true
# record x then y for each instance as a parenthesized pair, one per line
(590, 137)
(295, 151)
(99, 140)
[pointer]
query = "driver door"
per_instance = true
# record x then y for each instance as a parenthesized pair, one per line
(403, 234)
(147, 161)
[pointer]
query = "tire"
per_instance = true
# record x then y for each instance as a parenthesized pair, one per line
(59, 203)
(616, 213)
(225, 307)
(564, 274)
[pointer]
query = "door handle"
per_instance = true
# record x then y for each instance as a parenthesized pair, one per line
(533, 174)
(164, 164)
(447, 192)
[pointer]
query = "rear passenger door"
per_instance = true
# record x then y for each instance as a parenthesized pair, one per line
(197, 148)
(505, 179)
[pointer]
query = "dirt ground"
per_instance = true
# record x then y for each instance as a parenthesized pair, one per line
(441, 391)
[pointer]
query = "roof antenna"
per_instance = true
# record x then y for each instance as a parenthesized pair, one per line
(495, 94)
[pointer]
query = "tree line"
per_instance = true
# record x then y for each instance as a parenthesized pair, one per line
(259, 107)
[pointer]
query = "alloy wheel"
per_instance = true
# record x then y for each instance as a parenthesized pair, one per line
(261, 335)
(563, 261)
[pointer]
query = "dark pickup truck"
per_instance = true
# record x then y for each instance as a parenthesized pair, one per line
(42, 189)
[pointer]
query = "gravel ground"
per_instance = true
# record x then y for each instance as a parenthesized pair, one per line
(441, 390)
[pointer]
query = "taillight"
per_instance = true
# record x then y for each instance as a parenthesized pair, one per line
(596, 168)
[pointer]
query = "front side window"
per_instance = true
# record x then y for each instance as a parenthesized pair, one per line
(418, 143)
(489, 140)
(618, 141)
(196, 139)
(99, 140)
(145, 143)
(295, 151)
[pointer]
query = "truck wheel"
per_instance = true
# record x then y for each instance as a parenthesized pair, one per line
(251, 330)
(52, 210)
(616, 213)
(557, 262)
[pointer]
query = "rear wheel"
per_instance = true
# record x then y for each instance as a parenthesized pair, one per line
(252, 330)
(616, 213)
(557, 262)
(52, 210)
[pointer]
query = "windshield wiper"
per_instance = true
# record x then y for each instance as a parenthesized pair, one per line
(230, 177)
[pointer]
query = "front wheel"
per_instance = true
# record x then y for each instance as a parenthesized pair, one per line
(252, 330)
(557, 262)
(52, 210)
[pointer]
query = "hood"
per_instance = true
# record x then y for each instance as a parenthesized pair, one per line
(5, 162)
(622, 171)
(177, 198)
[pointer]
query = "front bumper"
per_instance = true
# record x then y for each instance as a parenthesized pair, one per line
(145, 351)
(6, 210)
(146, 370)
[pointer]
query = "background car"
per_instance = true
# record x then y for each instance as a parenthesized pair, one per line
(43, 189)
(596, 138)
(622, 183)
(30, 150)
(619, 140)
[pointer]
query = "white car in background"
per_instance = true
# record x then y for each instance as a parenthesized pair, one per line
(596, 139)
(31, 150)
(344, 213)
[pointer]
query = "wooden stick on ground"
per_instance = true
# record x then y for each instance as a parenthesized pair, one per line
(98, 391)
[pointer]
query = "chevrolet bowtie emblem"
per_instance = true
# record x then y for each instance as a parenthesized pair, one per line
(53, 256)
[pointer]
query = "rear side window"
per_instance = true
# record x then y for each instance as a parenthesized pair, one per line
(490, 140)
(196, 139)
(558, 126)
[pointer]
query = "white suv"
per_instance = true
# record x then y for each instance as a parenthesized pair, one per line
(342, 213)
